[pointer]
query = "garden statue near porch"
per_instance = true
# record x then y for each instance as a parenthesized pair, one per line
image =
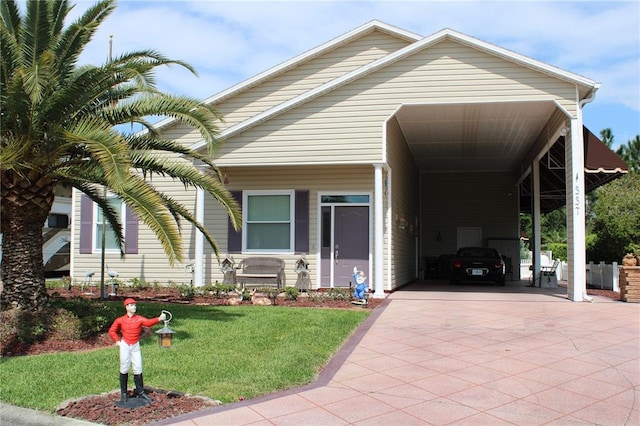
(361, 287)
(126, 330)
(229, 271)
(302, 269)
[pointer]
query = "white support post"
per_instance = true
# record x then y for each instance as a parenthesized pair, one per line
(537, 240)
(576, 238)
(378, 242)
(615, 277)
(198, 267)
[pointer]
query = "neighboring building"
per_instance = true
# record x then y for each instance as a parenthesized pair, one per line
(379, 149)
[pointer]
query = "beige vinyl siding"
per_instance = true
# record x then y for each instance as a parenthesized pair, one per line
(405, 196)
(447, 199)
(309, 75)
(345, 125)
(151, 263)
(357, 179)
(293, 82)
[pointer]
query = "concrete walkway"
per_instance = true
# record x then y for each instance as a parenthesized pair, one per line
(468, 355)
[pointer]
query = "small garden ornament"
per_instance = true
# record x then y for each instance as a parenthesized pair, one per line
(361, 285)
(629, 260)
(125, 331)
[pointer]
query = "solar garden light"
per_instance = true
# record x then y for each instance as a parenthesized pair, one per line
(165, 334)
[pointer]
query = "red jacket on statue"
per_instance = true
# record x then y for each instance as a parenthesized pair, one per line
(130, 327)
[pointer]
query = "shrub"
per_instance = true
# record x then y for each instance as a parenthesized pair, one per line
(291, 293)
(18, 326)
(95, 317)
(186, 291)
(65, 326)
(339, 293)
(138, 284)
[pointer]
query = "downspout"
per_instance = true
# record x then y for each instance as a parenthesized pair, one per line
(581, 104)
(378, 242)
(198, 267)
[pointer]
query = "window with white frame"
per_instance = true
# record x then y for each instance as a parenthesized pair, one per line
(269, 220)
(111, 244)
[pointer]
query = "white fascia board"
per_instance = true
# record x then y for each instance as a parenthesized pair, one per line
(396, 56)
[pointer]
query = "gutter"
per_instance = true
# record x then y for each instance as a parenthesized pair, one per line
(581, 104)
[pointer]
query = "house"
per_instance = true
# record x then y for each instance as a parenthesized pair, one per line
(380, 149)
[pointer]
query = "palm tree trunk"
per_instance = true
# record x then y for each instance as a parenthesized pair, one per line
(25, 207)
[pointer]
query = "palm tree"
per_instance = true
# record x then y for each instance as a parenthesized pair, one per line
(59, 126)
(630, 153)
(607, 137)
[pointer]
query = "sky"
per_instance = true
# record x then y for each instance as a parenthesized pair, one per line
(228, 42)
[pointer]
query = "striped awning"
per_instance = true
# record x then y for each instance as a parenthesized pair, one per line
(601, 165)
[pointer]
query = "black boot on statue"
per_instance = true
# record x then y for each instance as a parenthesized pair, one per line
(124, 378)
(137, 378)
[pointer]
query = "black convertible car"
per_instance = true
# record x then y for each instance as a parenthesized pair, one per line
(477, 264)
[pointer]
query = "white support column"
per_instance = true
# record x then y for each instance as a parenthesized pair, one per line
(576, 194)
(535, 216)
(378, 232)
(198, 267)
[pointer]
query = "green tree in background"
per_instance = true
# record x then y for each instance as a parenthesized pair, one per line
(630, 153)
(615, 221)
(59, 127)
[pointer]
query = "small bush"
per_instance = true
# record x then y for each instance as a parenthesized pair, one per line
(65, 326)
(187, 292)
(339, 293)
(95, 317)
(291, 293)
(138, 284)
(20, 326)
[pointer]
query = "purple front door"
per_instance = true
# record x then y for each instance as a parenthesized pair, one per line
(347, 246)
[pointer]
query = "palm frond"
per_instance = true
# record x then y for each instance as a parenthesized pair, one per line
(106, 145)
(178, 209)
(143, 142)
(97, 195)
(35, 31)
(75, 38)
(147, 204)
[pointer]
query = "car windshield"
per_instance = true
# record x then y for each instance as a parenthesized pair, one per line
(478, 253)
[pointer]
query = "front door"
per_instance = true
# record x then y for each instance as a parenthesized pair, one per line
(345, 244)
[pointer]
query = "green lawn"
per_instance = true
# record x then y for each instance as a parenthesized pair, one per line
(222, 352)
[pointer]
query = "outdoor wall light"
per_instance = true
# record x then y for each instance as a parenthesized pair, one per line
(165, 334)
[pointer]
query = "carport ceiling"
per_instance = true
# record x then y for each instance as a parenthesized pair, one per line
(473, 136)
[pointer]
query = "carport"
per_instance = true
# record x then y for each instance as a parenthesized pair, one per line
(530, 147)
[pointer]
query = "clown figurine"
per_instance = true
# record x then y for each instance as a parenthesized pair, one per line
(126, 330)
(361, 284)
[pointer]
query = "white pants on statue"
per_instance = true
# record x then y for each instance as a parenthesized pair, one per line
(130, 355)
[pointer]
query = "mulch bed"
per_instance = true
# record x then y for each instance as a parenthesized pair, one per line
(102, 409)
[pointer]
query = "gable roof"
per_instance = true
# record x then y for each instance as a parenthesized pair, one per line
(586, 87)
(298, 60)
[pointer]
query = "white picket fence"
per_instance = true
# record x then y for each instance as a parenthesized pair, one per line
(599, 275)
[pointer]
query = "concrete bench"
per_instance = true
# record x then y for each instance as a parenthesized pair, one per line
(260, 270)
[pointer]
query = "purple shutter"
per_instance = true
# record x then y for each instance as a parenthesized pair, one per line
(131, 229)
(302, 222)
(234, 238)
(86, 224)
